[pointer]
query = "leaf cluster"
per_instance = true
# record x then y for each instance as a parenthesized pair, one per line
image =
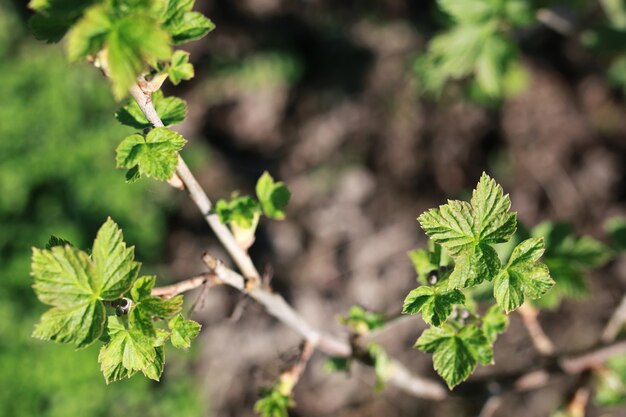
(611, 383)
(114, 33)
(362, 321)
(81, 288)
(467, 232)
(274, 403)
(568, 257)
(479, 45)
(242, 212)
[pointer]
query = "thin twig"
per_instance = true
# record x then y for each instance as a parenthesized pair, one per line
(290, 377)
(199, 197)
(189, 284)
(592, 359)
(276, 306)
(540, 340)
(491, 406)
(615, 323)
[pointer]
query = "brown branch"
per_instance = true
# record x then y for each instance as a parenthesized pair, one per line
(540, 340)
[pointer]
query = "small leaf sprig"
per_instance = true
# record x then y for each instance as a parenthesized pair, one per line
(242, 213)
(100, 296)
(463, 235)
(478, 45)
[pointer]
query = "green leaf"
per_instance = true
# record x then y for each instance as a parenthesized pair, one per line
(456, 355)
(129, 49)
(80, 324)
(425, 262)
(127, 352)
(468, 11)
(611, 383)
(242, 211)
(466, 231)
(450, 226)
(188, 26)
(56, 241)
(89, 34)
(362, 321)
(155, 369)
(519, 12)
(456, 51)
(495, 322)
(382, 364)
(49, 29)
(155, 154)
(523, 277)
(171, 110)
(273, 403)
(274, 196)
(496, 57)
(492, 221)
(434, 305)
(180, 68)
(114, 262)
(336, 364)
(567, 257)
(141, 293)
(74, 285)
(53, 18)
(616, 228)
(473, 266)
(183, 331)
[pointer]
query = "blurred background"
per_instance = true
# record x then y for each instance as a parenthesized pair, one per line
(334, 99)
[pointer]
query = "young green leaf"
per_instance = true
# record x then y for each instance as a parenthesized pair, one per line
(497, 56)
(335, 364)
(79, 324)
(154, 306)
(567, 257)
(611, 383)
(362, 321)
(74, 284)
(457, 50)
(242, 211)
(274, 196)
(183, 331)
(273, 403)
(171, 110)
(469, 11)
(128, 49)
(155, 154)
(128, 351)
(114, 262)
(89, 35)
(53, 18)
(434, 304)
(382, 364)
(188, 26)
(524, 276)
(180, 68)
(455, 355)
(466, 231)
(616, 228)
(426, 261)
(495, 322)
(57, 241)
(155, 369)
